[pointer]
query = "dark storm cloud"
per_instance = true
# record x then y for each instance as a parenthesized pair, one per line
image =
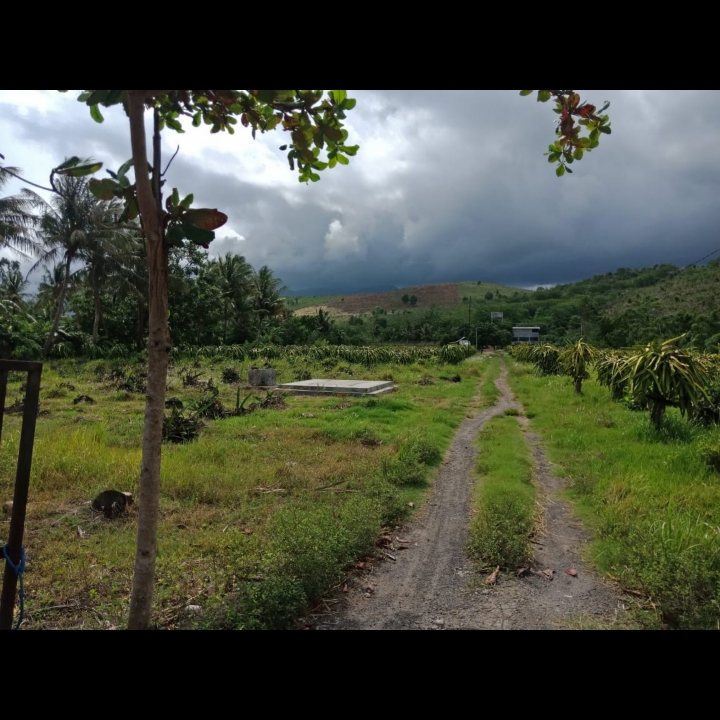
(453, 185)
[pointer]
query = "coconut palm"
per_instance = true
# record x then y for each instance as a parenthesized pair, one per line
(267, 298)
(73, 226)
(16, 218)
(234, 276)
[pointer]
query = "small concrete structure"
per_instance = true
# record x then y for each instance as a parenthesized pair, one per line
(265, 377)
(339, 387)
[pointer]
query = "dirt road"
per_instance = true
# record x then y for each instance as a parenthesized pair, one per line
(432, 585)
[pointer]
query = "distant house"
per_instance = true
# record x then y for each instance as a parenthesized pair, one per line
(526, 334)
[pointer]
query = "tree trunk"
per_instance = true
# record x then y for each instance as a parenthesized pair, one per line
(578, 386)
(657, 413)
(225, 322)
(140, 330)
(98, 314)
(60, 309)
(158, 355)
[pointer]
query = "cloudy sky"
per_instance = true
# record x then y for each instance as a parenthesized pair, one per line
(447, 186)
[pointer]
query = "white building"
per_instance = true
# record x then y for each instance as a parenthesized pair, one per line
(526, 334)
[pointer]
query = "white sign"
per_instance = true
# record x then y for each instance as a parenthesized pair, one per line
(496, 316)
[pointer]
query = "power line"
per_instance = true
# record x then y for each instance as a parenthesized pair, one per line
(703, 258)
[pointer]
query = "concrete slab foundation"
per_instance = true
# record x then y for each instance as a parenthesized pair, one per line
(339, 387)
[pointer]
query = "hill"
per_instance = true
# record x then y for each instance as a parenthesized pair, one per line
(443, 295)
(617, 309)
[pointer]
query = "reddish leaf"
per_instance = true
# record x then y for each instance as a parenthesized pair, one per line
(205, 218)
(571, 572)
(492, 579)
(585, 110)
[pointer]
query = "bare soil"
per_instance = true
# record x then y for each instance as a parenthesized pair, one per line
(432, 584)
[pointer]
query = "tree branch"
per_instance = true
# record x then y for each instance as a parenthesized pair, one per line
(167, 167)
(29, 182)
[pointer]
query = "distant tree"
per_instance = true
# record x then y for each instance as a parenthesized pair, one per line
(413, 300)
(489, 295)
(479, 282)
(405, 298)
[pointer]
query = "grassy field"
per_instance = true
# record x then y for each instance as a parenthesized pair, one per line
(259, 517)
(504, 497)
(651, 497)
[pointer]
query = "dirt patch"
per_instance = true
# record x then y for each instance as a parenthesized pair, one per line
(313, 310)
(431, 583)
(443, 295)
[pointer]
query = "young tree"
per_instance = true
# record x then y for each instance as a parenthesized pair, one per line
(576, 360)
(413, 300)
(314, 123)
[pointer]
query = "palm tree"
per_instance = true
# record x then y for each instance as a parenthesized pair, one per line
(51, 286)
(267, 289)
(12, 282)
(105, 261)
(16, 218)
(72, 226)
(235, 277)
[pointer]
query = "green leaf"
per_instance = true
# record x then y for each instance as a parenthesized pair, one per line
(81, 170)
(125, 167)
(314, 176)
(578, 154)
(175, 236)
(605, 129)
(560, 170)
(342, 159)
(196, 234)
(350, 149)
(82, 97)
(71, 162)
(206, 218)
(332, 162)
(97, 96)
(197, 119)
(544, 95)
(174, 125)
(526, 92)
(173, 200)
(271, 123)
(186, 202)
(338, 95)
(132, 209)
(553, 157)
(349, 103)
(267, 96)
(103, 189)
(95, 114)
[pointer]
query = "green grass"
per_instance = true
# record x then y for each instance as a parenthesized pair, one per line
(258, 517)
(504, 497)
(651, 498)
(488, 391)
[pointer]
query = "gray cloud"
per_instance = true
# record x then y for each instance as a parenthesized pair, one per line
(452, 185)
